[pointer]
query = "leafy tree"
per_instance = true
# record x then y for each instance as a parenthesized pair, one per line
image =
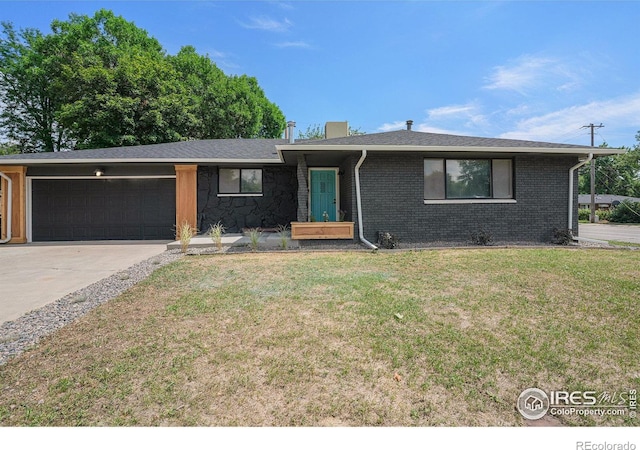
(225, 107)
(101, 82)
(119, 88)
(29, 91)
(8, 149)
(617, 174)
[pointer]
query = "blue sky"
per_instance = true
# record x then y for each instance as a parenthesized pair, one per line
(516, 69)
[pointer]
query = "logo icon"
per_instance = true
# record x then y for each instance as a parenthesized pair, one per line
(533, 403)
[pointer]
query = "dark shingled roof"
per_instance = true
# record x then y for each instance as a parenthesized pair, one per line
(417, 138)
(264, 150)
(232, 149)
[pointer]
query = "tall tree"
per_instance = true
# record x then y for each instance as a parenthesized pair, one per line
(226, 107)
(101, 82)
(29, 91)
(119, 88)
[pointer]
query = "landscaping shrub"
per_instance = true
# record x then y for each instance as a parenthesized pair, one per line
(562, 236)
(387, 240)
(584, 213)
(481, 237)
(626, 212)
(603, 214)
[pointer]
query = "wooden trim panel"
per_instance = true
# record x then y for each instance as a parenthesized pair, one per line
(18, 206)
(186, 195)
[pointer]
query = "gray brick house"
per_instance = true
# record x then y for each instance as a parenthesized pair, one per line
(422, 187)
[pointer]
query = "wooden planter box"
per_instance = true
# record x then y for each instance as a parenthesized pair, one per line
(321, 230)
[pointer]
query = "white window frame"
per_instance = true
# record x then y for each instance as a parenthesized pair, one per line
(463, 201)
(242, 194)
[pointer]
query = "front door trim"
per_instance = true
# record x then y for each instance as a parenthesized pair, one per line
(337, 190)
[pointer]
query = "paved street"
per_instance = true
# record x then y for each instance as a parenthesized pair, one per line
(609, 232)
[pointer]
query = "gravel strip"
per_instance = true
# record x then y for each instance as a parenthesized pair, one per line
(22, 333)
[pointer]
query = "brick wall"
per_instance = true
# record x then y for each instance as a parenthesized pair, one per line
(392, 187)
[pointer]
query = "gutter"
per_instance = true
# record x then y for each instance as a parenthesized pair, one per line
(9, 202)
(359, 202)
(577, 166)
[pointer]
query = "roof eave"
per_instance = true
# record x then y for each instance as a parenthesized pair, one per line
(457, 149)
(139, 160)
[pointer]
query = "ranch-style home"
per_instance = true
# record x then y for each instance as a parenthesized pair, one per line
(421, 187)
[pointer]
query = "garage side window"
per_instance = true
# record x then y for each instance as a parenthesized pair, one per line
(240, 181)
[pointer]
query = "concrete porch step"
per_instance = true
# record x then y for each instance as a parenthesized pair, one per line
(267, 240)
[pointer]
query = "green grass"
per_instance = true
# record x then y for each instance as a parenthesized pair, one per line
(309, 339)
(624, 244)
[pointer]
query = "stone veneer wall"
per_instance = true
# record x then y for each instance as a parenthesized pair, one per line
(392, 187)
(303, 189)
(277, 205)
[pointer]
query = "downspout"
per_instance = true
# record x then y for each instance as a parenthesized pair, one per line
(577, 166)
(359, 202)
(8, 198)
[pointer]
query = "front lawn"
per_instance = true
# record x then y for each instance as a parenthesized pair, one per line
(441, 337)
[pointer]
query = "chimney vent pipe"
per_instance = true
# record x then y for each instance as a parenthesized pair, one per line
(409, 123)
(290, 130)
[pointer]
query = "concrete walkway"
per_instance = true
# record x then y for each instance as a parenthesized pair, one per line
(34, 275)
(610, 232)
(267, 240)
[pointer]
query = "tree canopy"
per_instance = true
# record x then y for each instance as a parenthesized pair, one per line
(102, 82)
(617, 175)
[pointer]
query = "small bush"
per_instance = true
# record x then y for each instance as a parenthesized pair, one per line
(254, 238)
(603, 214)
(481, 237)
(387, 240)
(215, 233)
(283, 233)
(626, 212)
(584, 214)
(562, 236)
(185, 233)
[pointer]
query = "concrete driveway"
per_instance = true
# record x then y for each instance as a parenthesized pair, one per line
(609, 232)
(34, 275)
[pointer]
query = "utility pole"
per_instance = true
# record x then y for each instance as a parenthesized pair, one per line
(592, 216)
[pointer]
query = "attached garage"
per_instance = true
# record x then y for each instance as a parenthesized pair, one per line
(103, 208)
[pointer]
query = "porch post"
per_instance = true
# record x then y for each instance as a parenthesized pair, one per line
(186, 195)
(18, 203)
(303, 190)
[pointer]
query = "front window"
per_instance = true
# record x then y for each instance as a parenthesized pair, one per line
(240, 181)
(467, 179)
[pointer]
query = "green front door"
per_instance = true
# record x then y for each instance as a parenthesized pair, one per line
(323, 194)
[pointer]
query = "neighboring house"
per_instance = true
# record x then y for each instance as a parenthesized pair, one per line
(604, 201)
(422, 187)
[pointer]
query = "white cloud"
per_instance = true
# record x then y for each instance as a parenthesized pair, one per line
(393, 126)
(282, 5)
(528, 73)
(622, 111)
(293, 44)
(469, 113)
(445, 120)
(268, 24)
